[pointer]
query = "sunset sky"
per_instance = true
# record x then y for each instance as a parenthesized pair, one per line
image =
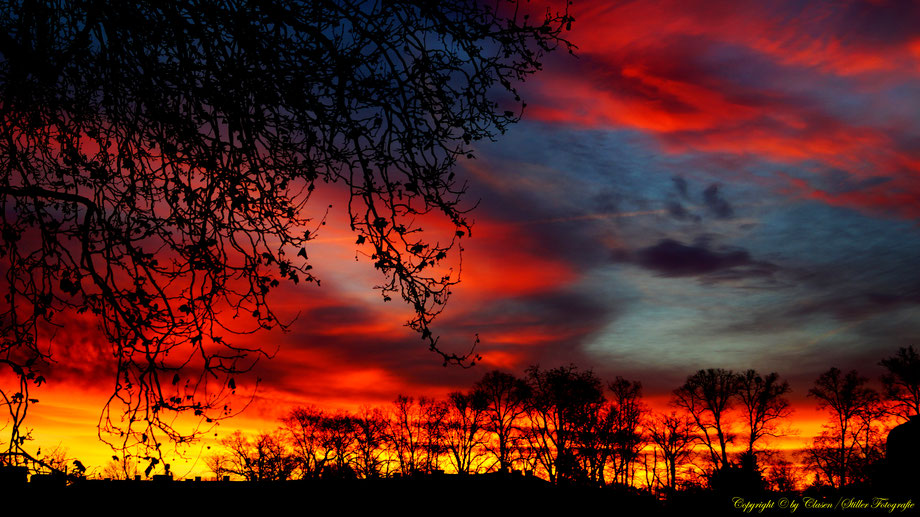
(707, 184)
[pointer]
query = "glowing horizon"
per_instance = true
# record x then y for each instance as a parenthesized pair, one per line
(707, 185)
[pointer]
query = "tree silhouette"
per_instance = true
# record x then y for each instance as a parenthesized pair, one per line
(707, 396)
(264, 458)
(628, 414)
(120, 468)
(764, 404)
(56, 460)
(158, 160)
(594, 441)
(853, 407)
(405, 435)
(507, 398)
(564, 399)
(901, 382)
(305, 430)
(335, 445)
(370, 442)
(783, 475)
(433, 423)
(218, 464)
(674, 436)
(464, 436)
(327, 444)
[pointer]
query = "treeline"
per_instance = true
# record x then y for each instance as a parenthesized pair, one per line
(569, 427)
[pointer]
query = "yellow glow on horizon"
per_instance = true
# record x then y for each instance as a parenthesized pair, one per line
(67, 416)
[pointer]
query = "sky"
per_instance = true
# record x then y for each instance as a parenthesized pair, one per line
(704, 184)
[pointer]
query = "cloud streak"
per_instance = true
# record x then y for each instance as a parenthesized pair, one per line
(784, 83)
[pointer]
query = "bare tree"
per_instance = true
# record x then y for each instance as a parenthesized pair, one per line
(562, 400)
(433, 416)
(782, 474)
(707, 396)
(852, 407)
(901, 383)
(371, 456)
(305, 430)
(406, 434)
(219, 464)
(120, 468)
(674, 436)
(56, 460)
(507, 401)
(340, 439)
(628, 414)
(594, 441)
(16, 401)
(324, 444)
(764, 404)
(157, 166)
(464, 436)
(263, 458)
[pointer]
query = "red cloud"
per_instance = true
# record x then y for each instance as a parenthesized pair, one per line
(643, 67)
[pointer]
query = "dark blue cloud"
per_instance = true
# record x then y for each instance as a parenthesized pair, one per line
(717, 204)
(679, 212)
(681, 185)
(672, 258)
